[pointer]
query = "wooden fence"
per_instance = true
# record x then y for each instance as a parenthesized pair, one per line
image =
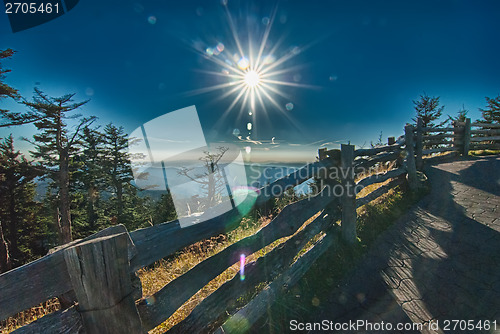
(99, 271)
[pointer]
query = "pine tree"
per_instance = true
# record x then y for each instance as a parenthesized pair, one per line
(461, 115)
(5, 260)
(56, 145)
(429, 110)
(9, 117)
(491, 113)
(117, 167)
(6, 90)
(89, 179)
(164, 210)
(17, 205)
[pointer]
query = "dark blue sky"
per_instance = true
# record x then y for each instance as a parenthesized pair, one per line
(367, 61)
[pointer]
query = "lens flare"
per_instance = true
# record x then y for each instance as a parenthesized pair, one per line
(242, 267)
(243, 63)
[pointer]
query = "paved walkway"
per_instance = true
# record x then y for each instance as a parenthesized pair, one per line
(439, 262)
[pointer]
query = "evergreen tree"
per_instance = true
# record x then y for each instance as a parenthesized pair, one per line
(9, 117)
(89, 179)
(491, 113)
(164, 209)
(461, 115)
(6, 90)
(17, 205)
(117, 168)
(56, 145)
(429, 110)
(5, 260)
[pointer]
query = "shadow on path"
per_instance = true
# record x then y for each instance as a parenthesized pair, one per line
(439, 262)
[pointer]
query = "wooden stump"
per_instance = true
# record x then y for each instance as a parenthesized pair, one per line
(99, 272)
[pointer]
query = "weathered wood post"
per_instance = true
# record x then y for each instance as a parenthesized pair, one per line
(419, 145)
(99, 273)
(348, 194)
(466, 137)
(458, 137)
(410, 158)
(391, 140)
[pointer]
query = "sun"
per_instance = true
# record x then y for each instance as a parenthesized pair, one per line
(255, 75)
(252, 79)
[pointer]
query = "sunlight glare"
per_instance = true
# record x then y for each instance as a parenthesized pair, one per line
(255, 72)
(252, 79)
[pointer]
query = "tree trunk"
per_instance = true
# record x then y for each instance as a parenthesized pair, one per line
(91, 208)
(12, 235)
(64, 198)
(119, 201)
(211, 189)
(5, 263)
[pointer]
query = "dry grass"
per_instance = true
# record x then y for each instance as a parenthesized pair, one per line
(484, 152)
(381, 168)
(28, 316)
(166, 271)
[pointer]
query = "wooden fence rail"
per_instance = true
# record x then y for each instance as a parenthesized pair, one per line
(99, 271)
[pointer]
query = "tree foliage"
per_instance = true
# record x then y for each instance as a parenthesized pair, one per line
(491, 113)
(17, 205)
(9, 117)
(461, 115)
(56, 145)
(89, 179)
(428, 109)
(117, 168)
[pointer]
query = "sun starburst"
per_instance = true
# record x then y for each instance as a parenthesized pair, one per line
(254, 75)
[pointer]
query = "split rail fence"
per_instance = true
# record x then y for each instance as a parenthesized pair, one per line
(99, 271)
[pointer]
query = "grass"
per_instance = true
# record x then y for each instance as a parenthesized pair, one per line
(477, 153)
(29, 315)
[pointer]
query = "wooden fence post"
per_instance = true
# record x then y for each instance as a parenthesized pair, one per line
(391, 140)
(458, 137)
(466, 137)
(348, 195)
(99, 273)
(410, 158)
(419, 145)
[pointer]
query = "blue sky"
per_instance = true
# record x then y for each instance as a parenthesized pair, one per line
(355, 69)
